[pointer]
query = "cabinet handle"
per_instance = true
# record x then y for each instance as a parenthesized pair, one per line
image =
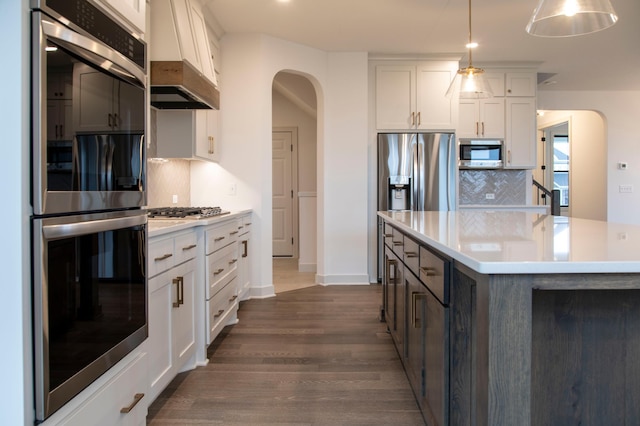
(415, 298)
(429, 272)
(391, 263)
(248, 223)
(179, 282)
(419, 121)
(245, 245)
(477, 128)
(413, 118)
(218, 271)
(387, 235)
(483, 128)
(218, 239)
(233, 298)
(231, 262)
(220, 312)
(166, 256)
(398, 243)
(233, 232)
(211, 145)
(509, 156)
(411, 254)
(136, 398)
(189, 247)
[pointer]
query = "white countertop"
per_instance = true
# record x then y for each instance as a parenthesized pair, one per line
(516, 242)
(157, 227)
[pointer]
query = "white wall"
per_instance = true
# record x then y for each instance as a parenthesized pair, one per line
(250, 62)
(588, 182)
(16, 398)
(622, 126)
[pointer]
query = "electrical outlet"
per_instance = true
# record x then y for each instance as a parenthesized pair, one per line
(232, 189)
(490, 196)
(174, 199)
(625, 189)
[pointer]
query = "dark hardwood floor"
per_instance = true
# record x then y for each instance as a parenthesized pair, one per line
(314, 356)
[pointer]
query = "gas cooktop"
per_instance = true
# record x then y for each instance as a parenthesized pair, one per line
(185, 212)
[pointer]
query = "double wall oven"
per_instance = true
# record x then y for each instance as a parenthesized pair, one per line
(88, 189)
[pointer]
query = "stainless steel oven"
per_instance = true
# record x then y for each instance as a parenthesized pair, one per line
(89, 103)
(90, 299)
(89, 231)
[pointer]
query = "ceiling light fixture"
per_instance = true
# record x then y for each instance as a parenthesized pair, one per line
(470, 82)
(566, 18)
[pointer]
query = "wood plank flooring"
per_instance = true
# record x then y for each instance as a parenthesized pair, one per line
(313, 356)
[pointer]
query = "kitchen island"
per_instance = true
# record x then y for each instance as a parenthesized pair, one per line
(536, 318)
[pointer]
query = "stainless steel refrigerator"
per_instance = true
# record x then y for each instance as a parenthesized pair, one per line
(416, 171)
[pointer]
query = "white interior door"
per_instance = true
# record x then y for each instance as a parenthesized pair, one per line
(282, 194)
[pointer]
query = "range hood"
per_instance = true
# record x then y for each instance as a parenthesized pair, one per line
(182, 74)
(178, 85)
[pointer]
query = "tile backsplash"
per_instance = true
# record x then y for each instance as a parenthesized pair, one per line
(507, 187)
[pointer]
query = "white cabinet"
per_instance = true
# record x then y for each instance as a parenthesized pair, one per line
(172, 304)
(221, 250)
(520, 141)
(60, 119)
(412, 96)
(92, 113)
(130, 11)
(244, 241)
(187, 134)
(521, 84)
(481, 118)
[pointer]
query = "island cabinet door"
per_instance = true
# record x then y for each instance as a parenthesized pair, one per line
(395, 299)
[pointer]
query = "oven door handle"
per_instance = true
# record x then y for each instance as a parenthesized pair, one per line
(94, 52)
(68, 230)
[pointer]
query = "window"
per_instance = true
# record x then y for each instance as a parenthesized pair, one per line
(561, 167)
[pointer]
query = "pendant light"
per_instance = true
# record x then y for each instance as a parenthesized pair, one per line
(565, 18)
(470, 82)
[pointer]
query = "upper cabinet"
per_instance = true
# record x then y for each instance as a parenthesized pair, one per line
(188, 134)
(178, 32)
(412, 95)
(132, 12)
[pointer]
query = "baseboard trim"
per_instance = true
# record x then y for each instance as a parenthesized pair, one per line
(342, 279)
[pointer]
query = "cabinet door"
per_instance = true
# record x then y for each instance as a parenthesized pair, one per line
(521, 133)
(492, 118)
(182, 14)
(159, 341)
(133, 11)
(183, 321)
(395, 97)
(521, 83)
(91, 110)
(129, 107)
(435, 399)
(244, 260)
(434, 111)
(468, 119)
(204, 143)
(395, 299)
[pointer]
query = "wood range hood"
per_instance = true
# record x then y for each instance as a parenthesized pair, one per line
(178, 85)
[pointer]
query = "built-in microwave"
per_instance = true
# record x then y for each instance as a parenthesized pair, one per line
(480, 154)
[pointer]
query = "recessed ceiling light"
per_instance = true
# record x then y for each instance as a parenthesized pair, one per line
(284, 1)
(471, 45)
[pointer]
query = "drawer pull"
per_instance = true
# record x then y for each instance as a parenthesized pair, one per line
(415, 319)
(429, 272)
(136, 398)
(398, 243)
(218, 271)
(166, 256)
(233, 232)
(179, 282)
(218, 239)
(220, 312)
(231, 262)
(189, 247)
(388, 235)
(233, 298)
(411, 254)
(245, 253)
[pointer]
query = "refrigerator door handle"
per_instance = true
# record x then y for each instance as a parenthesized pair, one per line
(450, 172)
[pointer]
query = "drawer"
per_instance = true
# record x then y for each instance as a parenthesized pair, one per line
(161, 257)
(397, 242)
(221, 267)
(221, 235)
(121, 401)
(220, 307)
(387, 234)
(245, 224)
(186, 247)
(410, 255)
(434, 273)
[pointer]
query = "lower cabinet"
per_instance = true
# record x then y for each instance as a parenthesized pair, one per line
(172, 302)
(416, 296)
(244, 259)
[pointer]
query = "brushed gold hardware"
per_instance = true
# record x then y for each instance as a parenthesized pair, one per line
(483, 128)
(388, 235)
(415, 298)
(398, 243)
(166, 256)
(429, 272)
(477, 128)
(509, 156)
(411, 254)
(413, 118)
(419, 120)
(220, 312)
(189, 247)
(176, 281)
(136, 398)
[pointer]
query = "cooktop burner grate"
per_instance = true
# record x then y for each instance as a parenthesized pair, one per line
(185, 212)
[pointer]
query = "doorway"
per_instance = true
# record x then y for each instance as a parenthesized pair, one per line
(284, 192)
(554, 172)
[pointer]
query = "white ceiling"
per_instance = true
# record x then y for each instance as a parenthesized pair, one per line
(606, 60)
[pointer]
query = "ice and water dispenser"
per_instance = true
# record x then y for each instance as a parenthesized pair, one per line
(399, 193)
